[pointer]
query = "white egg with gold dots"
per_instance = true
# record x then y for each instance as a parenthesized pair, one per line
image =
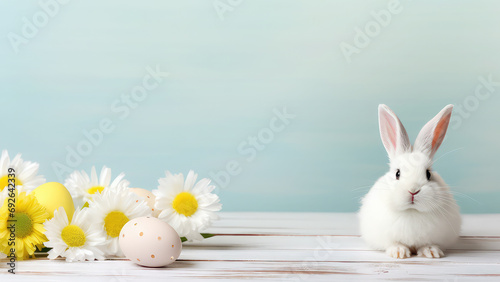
(148, 241)
(148, 197)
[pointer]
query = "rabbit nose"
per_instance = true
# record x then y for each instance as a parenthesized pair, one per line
(414, 193)
(413, 196)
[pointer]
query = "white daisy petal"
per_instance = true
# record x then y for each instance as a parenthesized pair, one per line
(190, 180)
(201, 185)
(194, 236)
(105, 177)
(118, 179)
(93, 177)
(26, 173)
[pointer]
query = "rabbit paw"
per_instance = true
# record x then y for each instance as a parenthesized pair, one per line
(398, 251)
(432, 251)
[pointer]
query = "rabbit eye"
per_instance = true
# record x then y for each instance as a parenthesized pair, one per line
(428, 175)
(398, 174)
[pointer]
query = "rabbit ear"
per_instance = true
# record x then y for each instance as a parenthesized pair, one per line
(392, 132)
(432, 134)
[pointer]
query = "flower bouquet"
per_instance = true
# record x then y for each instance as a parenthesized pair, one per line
(83, 219)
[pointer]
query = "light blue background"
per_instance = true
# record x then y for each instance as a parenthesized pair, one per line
(226, 78)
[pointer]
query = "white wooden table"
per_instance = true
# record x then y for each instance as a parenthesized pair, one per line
(292, 247)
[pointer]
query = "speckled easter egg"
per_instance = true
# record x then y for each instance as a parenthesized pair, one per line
(148, 197)
(148, 241)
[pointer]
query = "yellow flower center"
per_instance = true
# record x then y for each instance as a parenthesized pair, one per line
(185, 203)
(95, 189)
(4, 182)
(73, 236)
(114, 222)
(23, 223)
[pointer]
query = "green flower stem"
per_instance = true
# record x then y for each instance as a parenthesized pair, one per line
(205, 235)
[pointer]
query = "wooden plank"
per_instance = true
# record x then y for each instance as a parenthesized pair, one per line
(322, 252)
(332, 242)
(331, 255)
(43, 270)
(328, 224)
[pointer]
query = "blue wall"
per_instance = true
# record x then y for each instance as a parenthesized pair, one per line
(232, 66)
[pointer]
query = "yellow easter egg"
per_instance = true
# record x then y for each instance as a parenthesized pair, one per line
(53, 195)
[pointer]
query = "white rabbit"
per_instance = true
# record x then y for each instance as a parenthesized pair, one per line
(410, 209)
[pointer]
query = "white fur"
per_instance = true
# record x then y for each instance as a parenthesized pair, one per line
(390, 221)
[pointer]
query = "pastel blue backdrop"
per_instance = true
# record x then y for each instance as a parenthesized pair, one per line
(232, 65)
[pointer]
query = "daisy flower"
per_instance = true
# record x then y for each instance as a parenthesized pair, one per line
(79, 240)
(26, 173)
(84, 188)
(29, 217)
(189, 207)
(111, 209)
